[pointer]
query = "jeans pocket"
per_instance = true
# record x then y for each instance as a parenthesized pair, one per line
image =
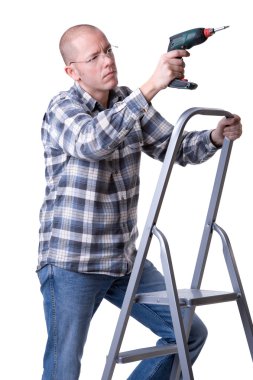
(45, 274)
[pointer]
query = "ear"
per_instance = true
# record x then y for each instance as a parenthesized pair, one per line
(69, 70)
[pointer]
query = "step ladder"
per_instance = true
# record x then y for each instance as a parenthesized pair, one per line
(188, 298)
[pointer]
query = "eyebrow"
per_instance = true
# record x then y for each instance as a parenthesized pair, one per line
(98, 51)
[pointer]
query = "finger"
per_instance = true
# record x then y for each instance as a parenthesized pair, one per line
(178, 53)
(232, 120)
(233, 132)
(177, 61)
(179, 73)
(233, 136)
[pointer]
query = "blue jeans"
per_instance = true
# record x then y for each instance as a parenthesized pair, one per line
(70, 301)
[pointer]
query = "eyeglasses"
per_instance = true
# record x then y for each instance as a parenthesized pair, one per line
(95, 58)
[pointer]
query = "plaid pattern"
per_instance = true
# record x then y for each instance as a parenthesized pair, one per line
(92, 158)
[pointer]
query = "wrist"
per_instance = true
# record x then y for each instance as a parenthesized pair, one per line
(216, 142)
(149, 90)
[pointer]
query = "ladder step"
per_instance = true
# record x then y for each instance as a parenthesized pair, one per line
(188, 297)
(145, 353)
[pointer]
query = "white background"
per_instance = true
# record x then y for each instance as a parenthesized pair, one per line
(31, 73)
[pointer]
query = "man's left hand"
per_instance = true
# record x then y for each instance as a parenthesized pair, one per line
(227, 127)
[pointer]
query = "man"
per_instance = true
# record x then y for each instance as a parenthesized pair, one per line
(93, 136)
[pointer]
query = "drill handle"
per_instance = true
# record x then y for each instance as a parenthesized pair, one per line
(178, 83)
(183, 84)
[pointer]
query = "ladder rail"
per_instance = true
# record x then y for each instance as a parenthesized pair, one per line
(212, 213)
(206, 237)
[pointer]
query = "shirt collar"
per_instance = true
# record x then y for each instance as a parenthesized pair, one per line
(114, 97)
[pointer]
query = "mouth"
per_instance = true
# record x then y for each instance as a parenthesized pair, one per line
(110, 74)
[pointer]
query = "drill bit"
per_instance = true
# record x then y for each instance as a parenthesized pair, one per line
(220, 28)
(208, 32)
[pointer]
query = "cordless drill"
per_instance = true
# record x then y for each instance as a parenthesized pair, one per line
(186, 40)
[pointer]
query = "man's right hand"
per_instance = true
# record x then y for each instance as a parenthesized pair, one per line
(170, 66)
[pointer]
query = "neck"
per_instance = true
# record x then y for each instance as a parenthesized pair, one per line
(100, 96)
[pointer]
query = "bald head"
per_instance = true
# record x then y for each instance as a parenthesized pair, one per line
(67, 45)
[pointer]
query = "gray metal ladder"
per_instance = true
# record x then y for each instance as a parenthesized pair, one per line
(188, 298)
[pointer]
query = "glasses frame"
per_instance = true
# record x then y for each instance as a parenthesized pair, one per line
(109, 53)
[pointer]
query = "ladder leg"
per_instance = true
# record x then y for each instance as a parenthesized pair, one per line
(178, 325)
(237, 286)
(176, 368)
(127, 304)
(122, 323)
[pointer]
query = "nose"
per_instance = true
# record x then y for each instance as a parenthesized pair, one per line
(107, 59)
(108, 55)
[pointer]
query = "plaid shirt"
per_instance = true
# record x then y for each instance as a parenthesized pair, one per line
(92, 158)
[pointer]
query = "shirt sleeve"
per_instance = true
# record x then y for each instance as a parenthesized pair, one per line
(67, 126)
(196, 146)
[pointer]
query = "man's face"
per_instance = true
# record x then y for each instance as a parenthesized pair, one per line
(94, 63)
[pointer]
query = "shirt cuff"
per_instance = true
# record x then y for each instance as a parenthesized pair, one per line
(210, 143)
